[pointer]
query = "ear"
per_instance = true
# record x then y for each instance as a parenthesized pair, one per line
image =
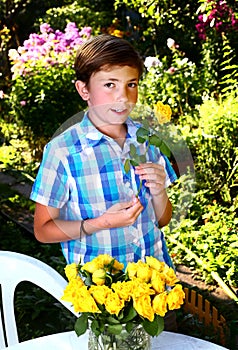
(82, 89)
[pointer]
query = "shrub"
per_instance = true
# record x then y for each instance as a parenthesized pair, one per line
(174, 81)
(43, 93)
(216, 148)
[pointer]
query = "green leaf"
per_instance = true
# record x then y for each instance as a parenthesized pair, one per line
(115, 329)
(142, 135)
(165, 150)
(129, 326)
(142, 132)
(97, 327)
(155, 327)
(112, 320)
(81, 325)
(142, 158)
(134, 163)
(133, 152)
(127, 165)
(155, 140)
(129, 314)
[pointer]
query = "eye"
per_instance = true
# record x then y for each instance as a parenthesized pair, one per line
(132, 85)
(109, 85)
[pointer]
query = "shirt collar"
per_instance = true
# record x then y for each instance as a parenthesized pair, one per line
(93, 135)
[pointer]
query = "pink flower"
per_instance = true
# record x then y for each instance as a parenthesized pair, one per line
(23, 103)
(171, 70)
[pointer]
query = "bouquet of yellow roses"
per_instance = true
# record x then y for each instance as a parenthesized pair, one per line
(107, 296)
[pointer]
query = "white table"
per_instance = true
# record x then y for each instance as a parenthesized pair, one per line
(69, 341)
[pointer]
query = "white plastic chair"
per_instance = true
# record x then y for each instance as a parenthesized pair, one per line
(15, 268)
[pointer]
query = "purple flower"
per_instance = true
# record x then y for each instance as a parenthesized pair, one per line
(45, 28)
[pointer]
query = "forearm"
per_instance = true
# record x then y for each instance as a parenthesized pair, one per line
(56, 230)
(163, 208)
(49, 228)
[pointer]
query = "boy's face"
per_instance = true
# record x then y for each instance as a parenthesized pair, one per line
(111, 94)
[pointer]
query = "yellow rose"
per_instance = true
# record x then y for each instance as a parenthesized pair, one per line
(143, 306)
(99, 277)
(91, 266)
(77, 293)
(99, 293)
(144, 271)
(159, 304)
(158, 281)
(104, 259)
(123, 289)
(170, 276)
(71, 289)
(117, 266)
(162, 112)
(84, 302)
(131, 270)
(155, 263)
(141, 288)
(71, 271)
(176, 297)
(114, 304)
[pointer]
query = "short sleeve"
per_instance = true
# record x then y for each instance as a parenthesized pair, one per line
(51, 184)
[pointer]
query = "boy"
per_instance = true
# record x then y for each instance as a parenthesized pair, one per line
(84, 198)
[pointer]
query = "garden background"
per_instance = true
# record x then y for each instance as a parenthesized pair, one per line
(190, 49)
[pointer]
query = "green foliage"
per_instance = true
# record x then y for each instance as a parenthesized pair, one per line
(43, 94)
(155, 21)
(14, 150)
(85, 13)
(216, 146)
(50, 97)
(176, 82)
(212, 236)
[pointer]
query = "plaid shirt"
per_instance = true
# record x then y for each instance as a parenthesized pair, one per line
(82, 173)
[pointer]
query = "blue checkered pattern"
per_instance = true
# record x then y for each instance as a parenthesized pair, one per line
(82, 173)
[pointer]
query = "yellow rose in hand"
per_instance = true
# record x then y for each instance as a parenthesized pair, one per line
(159, 304)
(99, 277)
(162, 112)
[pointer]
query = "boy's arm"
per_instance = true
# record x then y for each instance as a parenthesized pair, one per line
(48, 228)
(163, 208)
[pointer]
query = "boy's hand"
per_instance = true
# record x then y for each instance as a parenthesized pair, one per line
(122, 214)
(154, 175)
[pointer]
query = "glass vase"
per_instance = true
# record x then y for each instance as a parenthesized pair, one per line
(136, 339)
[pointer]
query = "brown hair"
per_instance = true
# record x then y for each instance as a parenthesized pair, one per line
(105, 50)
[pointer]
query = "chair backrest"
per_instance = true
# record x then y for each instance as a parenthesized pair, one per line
(16, 268)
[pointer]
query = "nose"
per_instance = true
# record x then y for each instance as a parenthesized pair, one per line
(122, 95)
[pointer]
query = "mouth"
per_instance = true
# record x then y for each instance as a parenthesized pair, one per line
(119, 110)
